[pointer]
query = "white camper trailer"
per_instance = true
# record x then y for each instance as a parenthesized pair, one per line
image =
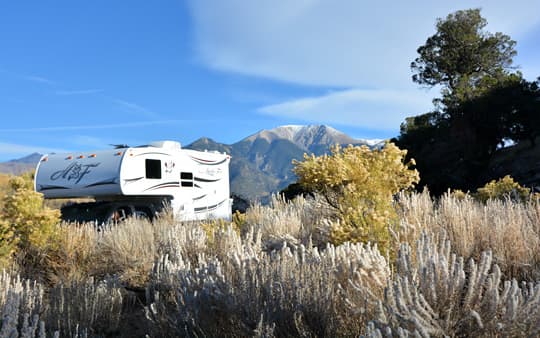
(138, 180)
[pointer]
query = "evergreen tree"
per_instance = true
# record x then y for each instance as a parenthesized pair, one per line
(484, 102)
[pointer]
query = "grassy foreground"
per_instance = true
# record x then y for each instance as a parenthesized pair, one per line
(454, 267)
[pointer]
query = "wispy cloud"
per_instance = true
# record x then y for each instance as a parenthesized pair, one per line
(105, 126)
(347, 43)
(78, 92)
(373, 109)
(136, 108)
(88, 141)
(38, 79)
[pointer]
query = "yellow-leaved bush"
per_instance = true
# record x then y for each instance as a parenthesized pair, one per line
(24, 221)
(8, 242)
(359, 184)
(503, 188)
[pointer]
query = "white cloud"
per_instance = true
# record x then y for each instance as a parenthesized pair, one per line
(88, 141)
(136, 124)
(372, 109)
(135, 108)
(78, 92)
(83, 127)
(345, 43)
(38, 79)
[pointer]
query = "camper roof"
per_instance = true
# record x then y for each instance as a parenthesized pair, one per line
(165, 144)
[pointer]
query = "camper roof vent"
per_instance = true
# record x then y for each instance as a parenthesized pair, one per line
(166, 144)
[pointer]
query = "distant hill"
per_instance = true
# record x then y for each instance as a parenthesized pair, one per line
(21, 165)
(261, 163)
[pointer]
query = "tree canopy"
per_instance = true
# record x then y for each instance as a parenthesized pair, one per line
(461, 56)
(484, 103)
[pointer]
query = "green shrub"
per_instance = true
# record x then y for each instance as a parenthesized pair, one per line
(459, 194)
(213, 227)
(504, 188)
(359, 183)
(8, 242)
(24, 222)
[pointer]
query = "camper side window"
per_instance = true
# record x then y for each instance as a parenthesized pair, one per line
(186, 179)
(153, 168)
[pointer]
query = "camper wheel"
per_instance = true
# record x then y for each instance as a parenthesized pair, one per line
(120, 214)
(143, 213)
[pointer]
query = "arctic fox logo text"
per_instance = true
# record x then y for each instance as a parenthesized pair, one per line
(74, 171)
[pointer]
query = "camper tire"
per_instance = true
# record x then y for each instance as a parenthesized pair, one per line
(144, 214)
(120, 214)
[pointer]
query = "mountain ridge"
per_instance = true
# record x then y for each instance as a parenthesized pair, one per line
(306, 136)
(261, 163)
(21, 165)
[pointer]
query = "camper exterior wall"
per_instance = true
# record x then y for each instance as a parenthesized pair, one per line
(196, 183)
(210, 184)
(79, 175)
(150, 171)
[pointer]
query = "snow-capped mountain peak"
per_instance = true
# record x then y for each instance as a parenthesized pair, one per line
(309, 137)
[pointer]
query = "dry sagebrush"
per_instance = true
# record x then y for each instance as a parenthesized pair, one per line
(277, 277)
(90, 307)
(78, 310)
(300, 221)
(21, 304)
(438, 294)
(248, 291)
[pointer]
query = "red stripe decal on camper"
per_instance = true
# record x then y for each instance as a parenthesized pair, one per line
(164, 185)
(208, 162)
(210, 207)
(153, 153)
(199, 179)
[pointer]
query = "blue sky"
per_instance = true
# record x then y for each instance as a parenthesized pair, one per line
(79, 75)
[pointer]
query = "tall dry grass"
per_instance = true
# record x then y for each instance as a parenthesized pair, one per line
(459, 267)
(511, 230)
(300, 221)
